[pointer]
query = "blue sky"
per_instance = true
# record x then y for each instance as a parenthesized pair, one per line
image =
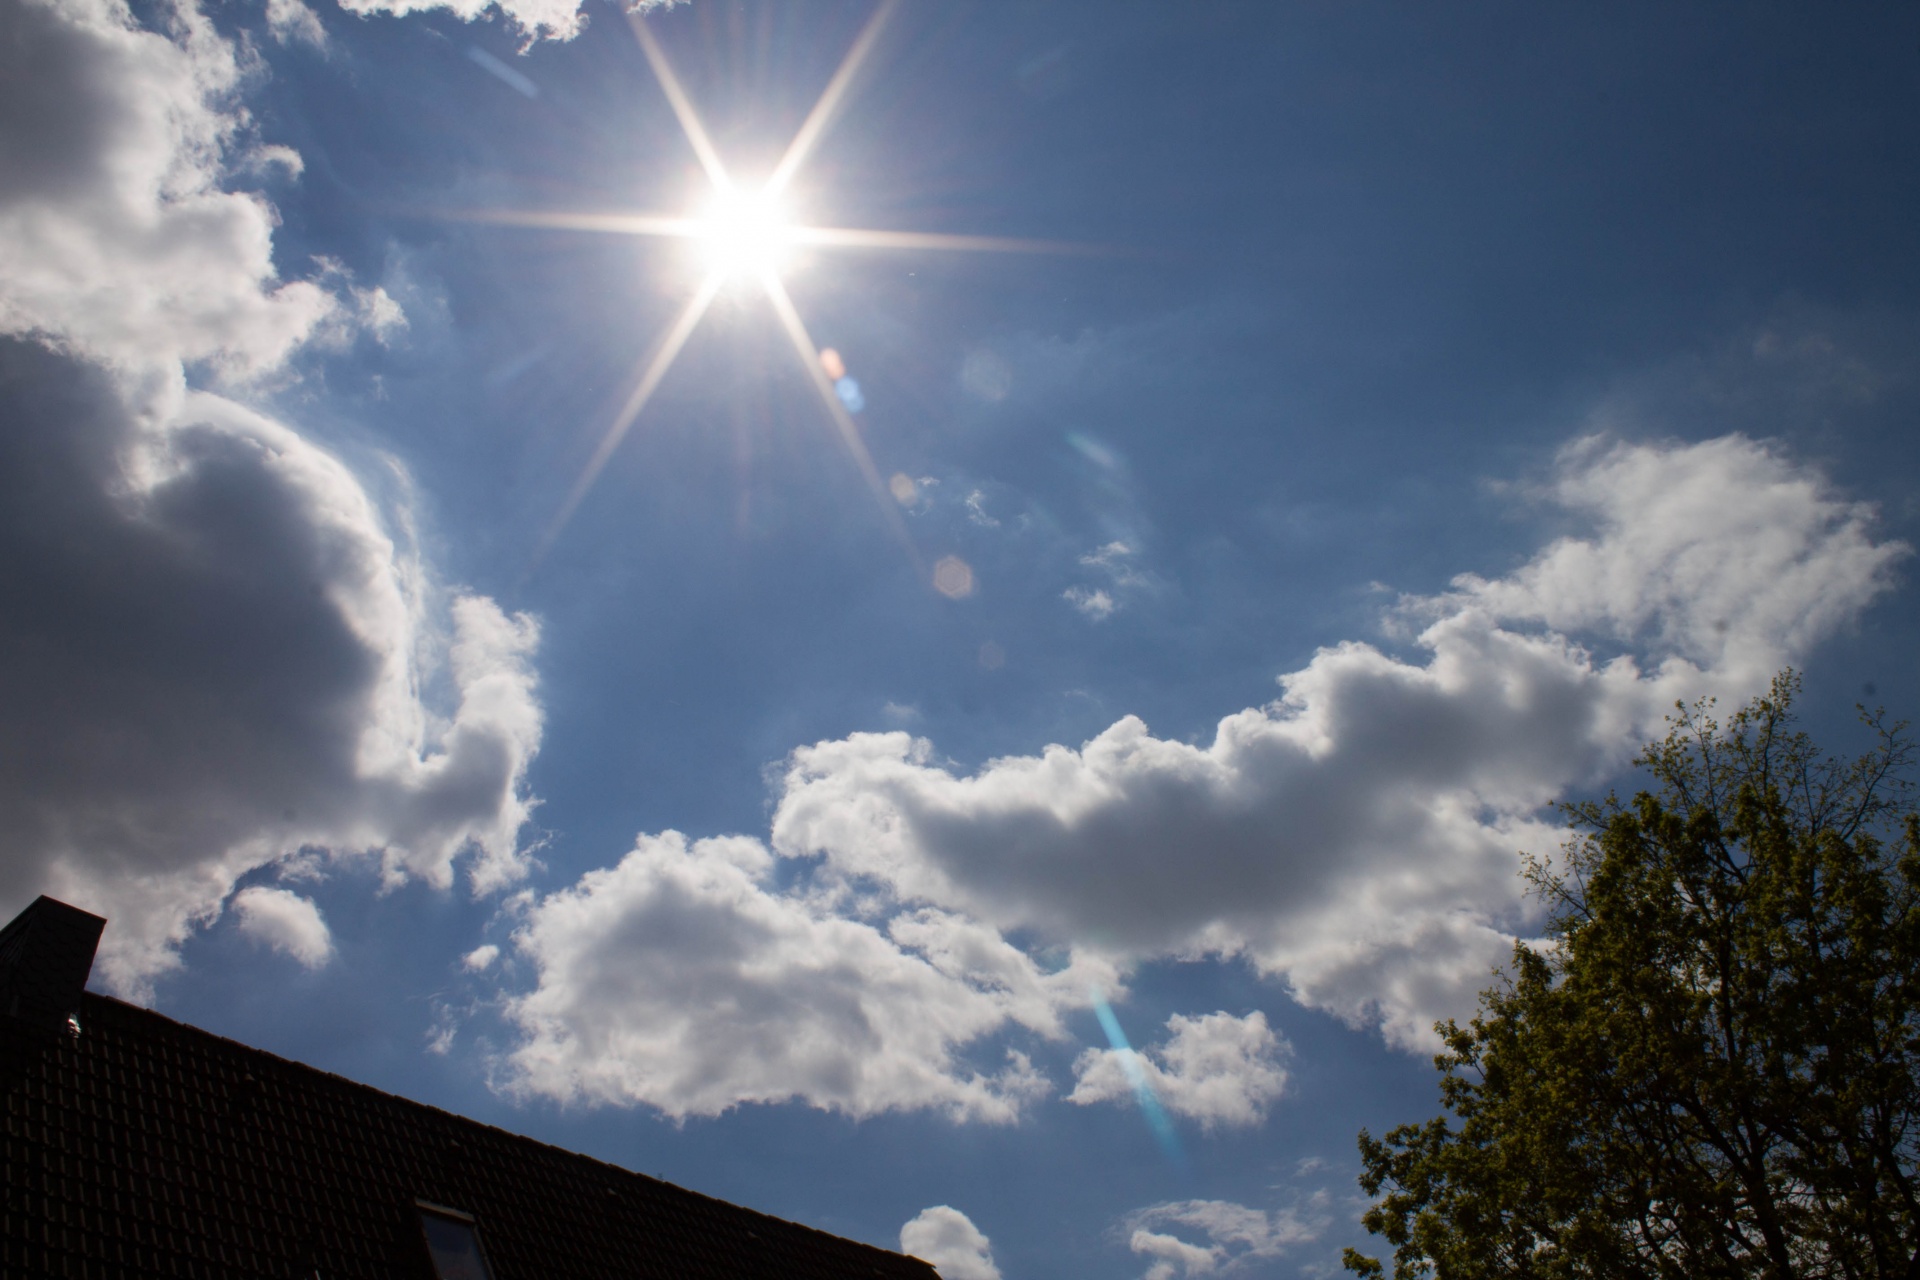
(1415, 403)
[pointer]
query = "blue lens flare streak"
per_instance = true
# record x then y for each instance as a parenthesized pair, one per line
(1157, 1119)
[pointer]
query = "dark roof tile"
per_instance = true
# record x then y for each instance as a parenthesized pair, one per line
(142, 1145)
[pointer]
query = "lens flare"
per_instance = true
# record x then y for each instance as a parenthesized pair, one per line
(953, 578)
(1137, 1077)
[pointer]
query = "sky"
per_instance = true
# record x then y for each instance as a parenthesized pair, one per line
(987, 700)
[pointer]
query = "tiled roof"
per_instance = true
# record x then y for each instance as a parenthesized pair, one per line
(142, 1146)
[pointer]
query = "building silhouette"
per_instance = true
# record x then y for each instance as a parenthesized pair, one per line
(134, 1145)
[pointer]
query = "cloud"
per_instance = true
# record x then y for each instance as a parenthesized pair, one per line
(1236, 1235)
(379, 314)
(292, 22)
(218, 656)
(1093, 602)
(1172, 1255)
(685, 979)
(1217, 1069)
(286, 922)
(977, 510)
(536, 19)
(1116, 561)
(1357, 837)
(948, 1239)
(1721, 554)
(118, 238)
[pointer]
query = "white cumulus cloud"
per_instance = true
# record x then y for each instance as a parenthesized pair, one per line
(1216, 1068)
(1358, 837)
(219, 658)
(1721, 554)
(684, 979)
(286, 922)
(536, 19)
(222, 652)
(948, 1239)
(119, 237)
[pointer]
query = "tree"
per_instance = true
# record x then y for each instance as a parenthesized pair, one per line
(1711, 1064)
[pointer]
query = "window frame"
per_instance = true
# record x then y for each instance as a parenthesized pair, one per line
(460, 1217)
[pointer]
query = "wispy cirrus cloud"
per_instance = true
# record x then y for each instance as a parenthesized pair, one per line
(1236, 1236)
(1118, 564)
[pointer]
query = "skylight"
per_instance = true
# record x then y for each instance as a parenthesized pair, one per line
(453, 1240)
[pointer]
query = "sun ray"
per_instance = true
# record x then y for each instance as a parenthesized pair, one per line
(746, 234)
(626, 224)
(829, 102)
(682, 104)
(849, 433)
(652, 224)
(858, 238)
(656, 370)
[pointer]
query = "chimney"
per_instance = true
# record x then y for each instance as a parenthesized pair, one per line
(46, 954)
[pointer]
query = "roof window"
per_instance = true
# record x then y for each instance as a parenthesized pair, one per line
(453, 1241)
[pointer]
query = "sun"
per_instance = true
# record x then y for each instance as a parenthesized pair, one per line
(749, 234)
(744, 233)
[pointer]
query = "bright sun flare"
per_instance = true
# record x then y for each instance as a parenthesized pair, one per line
(750, 235)
(745, 233)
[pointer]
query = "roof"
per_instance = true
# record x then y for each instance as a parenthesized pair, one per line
(134, 1144)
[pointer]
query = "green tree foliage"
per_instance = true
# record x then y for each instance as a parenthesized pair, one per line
(1711, 1066)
